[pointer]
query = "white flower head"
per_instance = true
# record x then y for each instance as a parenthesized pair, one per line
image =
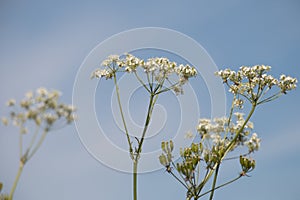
(162, 74)
(42, 91)
(4, 121)
(253, 143)
(253, 83)
(110, 59)
(11, 102)
(238, 103)
(189, 135)
(29, 95)
(99, 73)
(42, 108)
(239, 116)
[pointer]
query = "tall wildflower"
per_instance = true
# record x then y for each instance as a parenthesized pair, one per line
(161, 74)
(218, 137)
(39, 113)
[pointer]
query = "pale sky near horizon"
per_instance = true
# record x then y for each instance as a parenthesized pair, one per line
(43, 43)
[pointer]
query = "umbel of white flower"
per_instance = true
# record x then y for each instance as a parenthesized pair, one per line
(42, 108)
(253, 83)
(159, 71)
(40, 111)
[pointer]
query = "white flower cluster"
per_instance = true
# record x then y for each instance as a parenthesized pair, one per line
(253, 143)
(252, 82)
(287, 83)
(158, 69)
(99, 73)
(239, 103)
(42, 108)
(218, 136)
(220, 132)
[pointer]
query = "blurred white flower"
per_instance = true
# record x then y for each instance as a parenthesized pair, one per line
(4, 121)
(11, 102)
(253, 143)
(189, 135)
(42, 108)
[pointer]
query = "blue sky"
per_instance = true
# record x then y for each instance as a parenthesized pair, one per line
(44, 44)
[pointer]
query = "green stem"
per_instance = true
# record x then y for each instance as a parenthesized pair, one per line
(182, 183)
(201, 185)
(40, 142)
(224, 184)
(181, 176)
(31, 143)
(229, 147)
(21, 166)
(21, 145)
(231, 110)
(122, 115)
(236, 157)
(239, 131)
(141, 81)
(34, 137)
(152, 101)
(214, 182)
(230, 116)
(271, 98)
(168, 88)
(149, 113)
(150, 83)
(135, 165)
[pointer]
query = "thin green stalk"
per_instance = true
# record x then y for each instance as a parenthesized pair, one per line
(139, 149)
(141, 81)
(218, 187)
(180, 181)
(185, 185)
(122, 115)
(31, 142)
(228, 148)
(135, 165)
(231, 110)
(152, 78)
(149, 113)
(230, 115)
(198, 173)
(236, 157)
(21, 145)
(271, 98)
(11, 194)
(168, 88)
(263, 93)
(150, 83)
(37, 146)
(249, 99)
(214, 182)
(201, 185)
